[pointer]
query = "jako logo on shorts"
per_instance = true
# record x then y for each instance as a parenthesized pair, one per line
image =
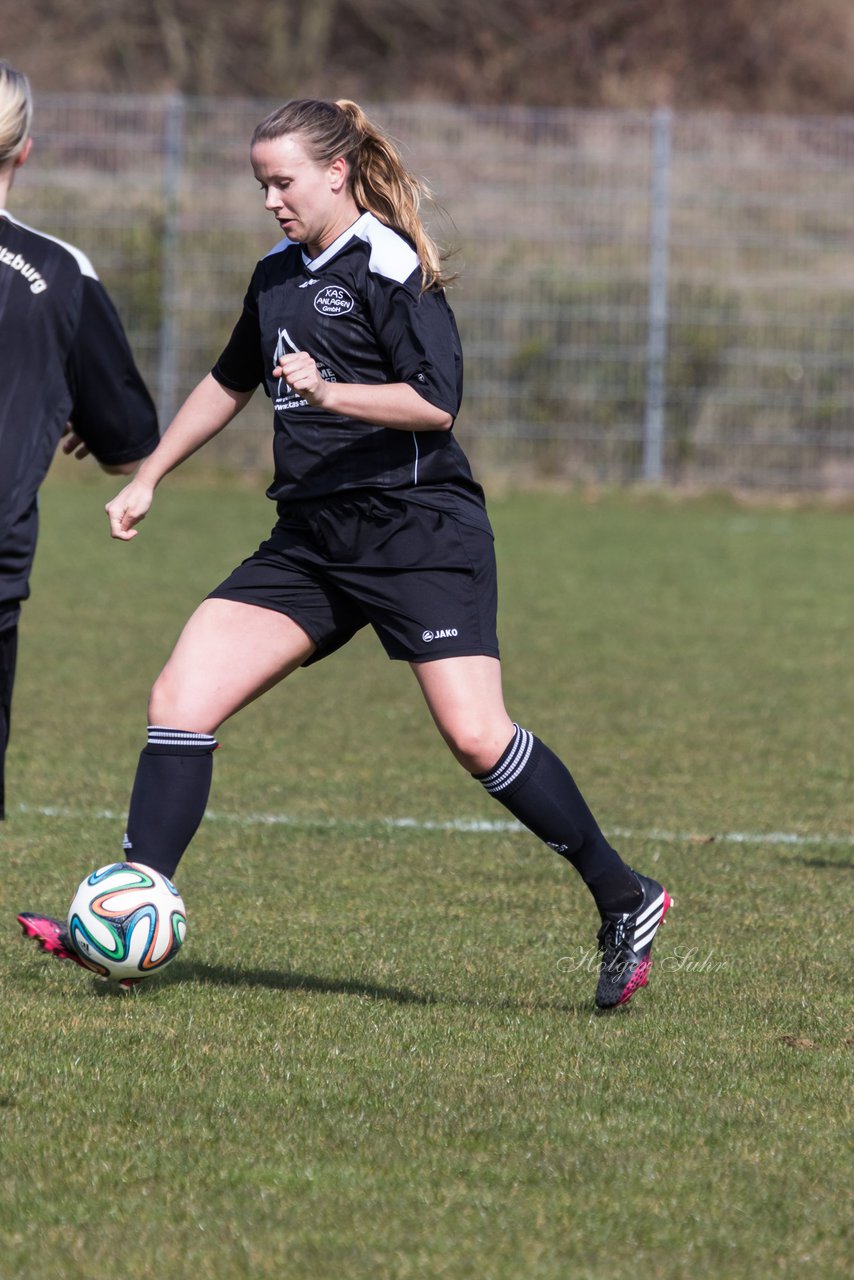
(428, 636)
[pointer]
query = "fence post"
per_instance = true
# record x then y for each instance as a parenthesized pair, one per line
(656, 347)
(173, 163)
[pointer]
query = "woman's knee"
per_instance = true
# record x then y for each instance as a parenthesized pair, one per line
(478, 748)
(168, 705)
(161, 706)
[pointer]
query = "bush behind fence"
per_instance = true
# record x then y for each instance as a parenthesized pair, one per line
(640, 296)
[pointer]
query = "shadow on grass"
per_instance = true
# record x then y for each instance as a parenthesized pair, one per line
(278, 980)
(823, 864)
(312, 983)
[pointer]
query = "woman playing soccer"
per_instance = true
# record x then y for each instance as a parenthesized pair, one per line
(346, 325)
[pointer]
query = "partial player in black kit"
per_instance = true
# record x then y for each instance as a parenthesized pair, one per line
(380, 522)
(67, 371)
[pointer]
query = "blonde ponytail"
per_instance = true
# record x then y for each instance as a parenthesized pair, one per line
(382, 184)
(16, 112)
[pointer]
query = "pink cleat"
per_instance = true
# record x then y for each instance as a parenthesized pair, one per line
(52, 936)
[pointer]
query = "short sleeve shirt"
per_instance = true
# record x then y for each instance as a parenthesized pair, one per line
(64, 357)
(359, 310)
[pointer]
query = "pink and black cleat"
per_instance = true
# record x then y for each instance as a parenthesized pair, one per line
(626, 944)
(52, 936)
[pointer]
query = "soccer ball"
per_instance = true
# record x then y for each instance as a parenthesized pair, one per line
(127, 920)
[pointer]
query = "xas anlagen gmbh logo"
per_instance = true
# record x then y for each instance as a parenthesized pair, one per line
(333, 300)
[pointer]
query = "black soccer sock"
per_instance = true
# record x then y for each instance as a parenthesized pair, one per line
(8, 656)
(539, 790)
(170, 794)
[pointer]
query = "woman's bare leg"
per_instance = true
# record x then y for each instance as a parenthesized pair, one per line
(227, 655)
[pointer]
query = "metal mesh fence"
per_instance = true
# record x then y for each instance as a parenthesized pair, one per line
(660, 297)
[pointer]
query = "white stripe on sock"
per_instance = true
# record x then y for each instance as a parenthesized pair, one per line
(161, 736)
(516, 758)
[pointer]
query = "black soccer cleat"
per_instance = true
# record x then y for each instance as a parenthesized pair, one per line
(625, 940)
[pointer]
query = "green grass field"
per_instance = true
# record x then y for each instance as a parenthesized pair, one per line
(377, 1056)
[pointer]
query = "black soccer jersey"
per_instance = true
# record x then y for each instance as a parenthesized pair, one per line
(63, 356)
(359, 311)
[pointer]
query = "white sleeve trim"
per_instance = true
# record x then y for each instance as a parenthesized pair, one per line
(79, 256)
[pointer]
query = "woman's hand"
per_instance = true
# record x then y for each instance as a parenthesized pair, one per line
(207, 409)
(301, 373)
(128, 508)
(72, 443)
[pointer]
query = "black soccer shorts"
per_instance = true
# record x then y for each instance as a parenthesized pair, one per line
(423, 579)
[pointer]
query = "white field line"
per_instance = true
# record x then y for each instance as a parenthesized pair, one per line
(463, 825)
